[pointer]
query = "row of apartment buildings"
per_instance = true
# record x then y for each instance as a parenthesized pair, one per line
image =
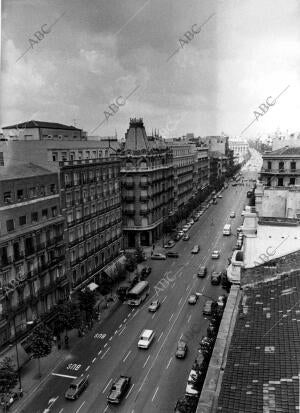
(69, 205)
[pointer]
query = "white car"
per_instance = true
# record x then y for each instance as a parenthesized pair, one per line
(192, 299)
(220, 196)
(146, 339)
(215, 255)
(154, 306)
(181, 233)
(191, 222)
(232, 214)
(158, 256)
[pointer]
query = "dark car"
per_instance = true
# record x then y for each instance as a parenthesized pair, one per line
(76, 387)
(146, 271)
(119, 389)
(215, 278)
(202, 272)
(181, 349)
(172, 254)
(208, 307)
(177, 237)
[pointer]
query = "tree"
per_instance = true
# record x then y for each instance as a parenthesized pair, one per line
(68, 316)
(139, 255)
(8, 377)
(40, 343)
(87, 301)
(130, 261)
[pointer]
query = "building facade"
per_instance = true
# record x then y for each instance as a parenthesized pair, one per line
(184, 172)
(91, 204)
(240, 150)
(281, 167)
(32, 253)
(147, 185)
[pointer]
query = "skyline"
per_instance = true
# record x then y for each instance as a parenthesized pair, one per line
(205, 75)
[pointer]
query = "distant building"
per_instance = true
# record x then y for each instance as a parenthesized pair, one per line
(281, 167)
(240, 150)
(39, 130)
(147, 185)
(291, 140)
(32, 253)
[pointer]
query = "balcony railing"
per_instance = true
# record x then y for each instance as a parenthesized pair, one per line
(286, 171)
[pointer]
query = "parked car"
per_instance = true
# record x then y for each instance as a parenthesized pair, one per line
(192, 299)
(158, 256)
(195, 218)
(215, 255)
(119, 389)
(9, 398)
(232, 214)
(220, 196)
(154, 306)
(177, 237)
(169, 244)
(191, 222)
(172, 254)
(222, 301)
(146, 271)
(208, 307)
(186, 237)
(181, 349)
(76, 387)
(195, 249)
(215, 278)
(180, 233)
(202, 272)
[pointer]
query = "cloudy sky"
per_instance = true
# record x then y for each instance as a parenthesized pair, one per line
(135, 54)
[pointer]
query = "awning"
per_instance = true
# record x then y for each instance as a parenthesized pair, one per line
(92, 286)
(12, 354)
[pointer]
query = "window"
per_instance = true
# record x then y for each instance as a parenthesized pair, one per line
(87, 154)
(72, 156)
(79, 155)
(64, 156)
(42, 190)
(54, 211)
(54, 156)
(281, 166)
(45, 213)
(34, 217)
(10, 225)
(20, 194)
(293, 165)
(32, 192)
(52, 188)
(280, 182)
(22, 220)
(94, 154)
(7, 197)
(292, 181)
(1, 159)
(269, 165)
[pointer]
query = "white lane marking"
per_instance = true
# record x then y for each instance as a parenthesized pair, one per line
(189, 318)
(122, 330)
(146, 361)
(135, 314)
(160, 336)
(105, 388)
(164, 299)
(61, 410)
(127, 355)
(115, 333)
(64, 375)
(105, 409)
(130, 390)
(105, 345)
(169, 362)
(181, 336)
(155, 393)
(103, 355)
(99, 352)
(94, 359)
(179, 301)
(88, 367)
(153, 315)
(120, 325)
(110, 338)
(80, 407)
(171, 317)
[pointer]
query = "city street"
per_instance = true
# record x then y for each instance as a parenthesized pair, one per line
(158, 378)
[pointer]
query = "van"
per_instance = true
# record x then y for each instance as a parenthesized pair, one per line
(227, 229)
(76, 387)
(146, 339)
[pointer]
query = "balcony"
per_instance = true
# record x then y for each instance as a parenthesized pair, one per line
(129, 211)
(280, 171)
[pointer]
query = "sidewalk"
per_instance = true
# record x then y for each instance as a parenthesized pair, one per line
(29, 372)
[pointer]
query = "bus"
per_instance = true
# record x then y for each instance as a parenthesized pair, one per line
(138, 293)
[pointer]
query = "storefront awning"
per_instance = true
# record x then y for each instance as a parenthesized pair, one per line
(92, 286)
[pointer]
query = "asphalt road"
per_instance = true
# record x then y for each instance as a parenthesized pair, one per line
(158, 378)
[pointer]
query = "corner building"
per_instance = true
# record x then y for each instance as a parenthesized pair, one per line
(147, 185)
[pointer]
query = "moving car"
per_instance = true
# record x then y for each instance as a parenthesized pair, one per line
(181, 349)
(119, 389)
(208, 307)
(192, 299)
(76, 387)
(232, 214)
(172, 254)
(202, 272)
(215, 254)
(146, 338)
(169, 244)
(215, 278)
(154, 306)
(158, 256)
(195, 249)
(186, 237)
